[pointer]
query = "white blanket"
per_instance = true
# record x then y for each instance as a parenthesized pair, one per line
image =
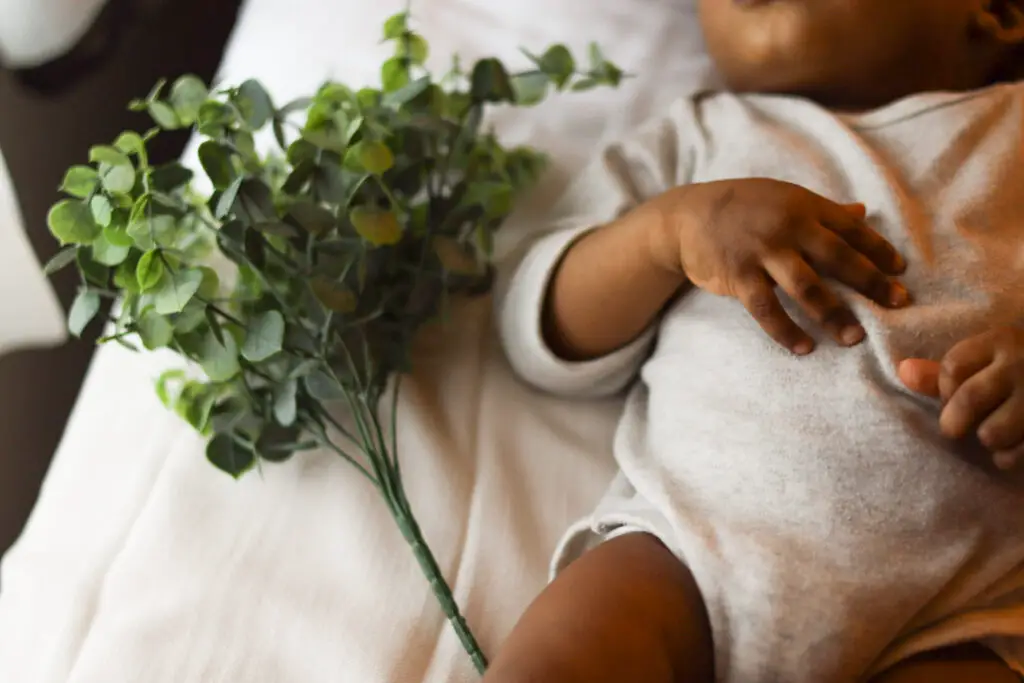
(142, 563)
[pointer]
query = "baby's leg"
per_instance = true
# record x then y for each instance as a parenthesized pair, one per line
(626, 611)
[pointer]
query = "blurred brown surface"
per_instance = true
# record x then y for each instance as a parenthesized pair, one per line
(42, 133)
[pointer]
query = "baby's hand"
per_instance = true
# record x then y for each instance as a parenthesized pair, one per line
(742, 238)
(981, 384)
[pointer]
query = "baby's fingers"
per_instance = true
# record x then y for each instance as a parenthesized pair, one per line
(757, 294)
(974, 401)
(1003, 430)
(850, 226)
(835, 258)
(806, 288)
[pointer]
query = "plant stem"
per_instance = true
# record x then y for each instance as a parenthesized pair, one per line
(442, 591)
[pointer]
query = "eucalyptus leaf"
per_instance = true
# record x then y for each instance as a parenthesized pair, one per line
(62, 259)
(150, 270)
(413, 47)
(80, 181)
(117, 179)
(101, 210)
(394, 74)
(490, 82)
(83, 309)
(530, 88)
(163, 115)
(285, 404)
(71, 222)
(176, 289)
(106, 253)
(227, 198)
(169, 177)
(379, 227)
(155, 330)
(219, 357)
(255, 104)
(103, 154)
(131, 142)
(188, 94)
(228, 456)
(558, 63)
(311, 217)
(396, 26)
(216, 161)
(264, 337)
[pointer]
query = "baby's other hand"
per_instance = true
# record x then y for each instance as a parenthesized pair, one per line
(981, 384)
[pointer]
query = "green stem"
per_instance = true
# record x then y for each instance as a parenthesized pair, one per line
(442, 591)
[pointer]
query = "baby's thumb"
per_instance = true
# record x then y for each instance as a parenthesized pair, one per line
(920, 376)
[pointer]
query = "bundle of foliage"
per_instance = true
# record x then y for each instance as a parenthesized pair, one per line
(300, 282)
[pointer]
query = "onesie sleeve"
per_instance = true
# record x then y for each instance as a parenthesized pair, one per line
(623, 175)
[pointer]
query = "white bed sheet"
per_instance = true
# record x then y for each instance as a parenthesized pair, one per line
(141, 563)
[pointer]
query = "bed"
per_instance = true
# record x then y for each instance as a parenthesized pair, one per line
(142, 563)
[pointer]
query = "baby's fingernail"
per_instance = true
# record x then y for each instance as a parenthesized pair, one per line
(852, 334)
(803, 348)
(898, 295)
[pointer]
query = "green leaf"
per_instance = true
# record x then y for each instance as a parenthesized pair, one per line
(300, 151)
(71, 222)
(394, 74)
(80, 181)
(530, 88)
(396, 26)
(323, 386)
(62, 259)
(163, 388)
(187, 96)
(176, 290)
(379, 227)
(130, 142)
(150, 233)
(150, 270)
(117, 179)
(490, 82)
(264, 337)
(219, 360)
(190, 318)
(277, 443)
(227, 198)
(116, 235)
(254, 103)
(209, 288)
(311, 217)
(370, 156)
(155, 330)
(124, 274)
(83, 310)
(163, 115)
(228, 456)
(585, 84)
(216, 161)
(169, 177)
(94, 273)
(108, 254)
(557, 62)
(284, 402)
(413, 47)
(102, 154)
(101, 210)
(401, 96)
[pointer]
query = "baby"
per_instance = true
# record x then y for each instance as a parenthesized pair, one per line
(814, 287)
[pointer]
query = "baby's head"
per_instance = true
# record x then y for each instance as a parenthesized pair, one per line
(862, 53)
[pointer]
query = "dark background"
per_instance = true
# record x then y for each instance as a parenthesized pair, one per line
(49, 117)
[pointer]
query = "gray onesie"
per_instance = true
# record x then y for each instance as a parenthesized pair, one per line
(830, 527)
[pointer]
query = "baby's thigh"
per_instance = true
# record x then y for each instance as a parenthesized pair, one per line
(627, 610)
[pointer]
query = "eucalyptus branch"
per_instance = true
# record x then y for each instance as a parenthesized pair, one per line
(328, 279)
